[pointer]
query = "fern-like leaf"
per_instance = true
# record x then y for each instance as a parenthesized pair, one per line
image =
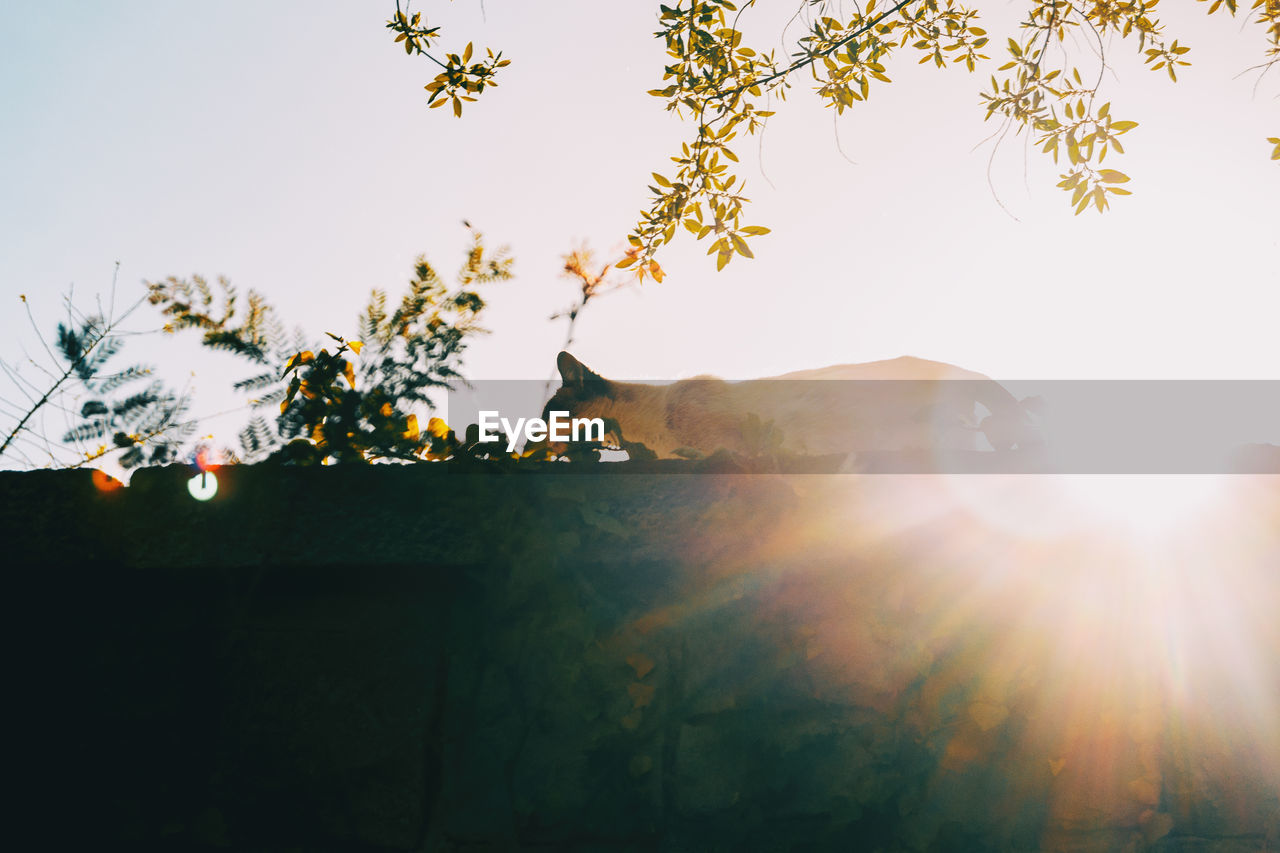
(262, 380)
(123, 377)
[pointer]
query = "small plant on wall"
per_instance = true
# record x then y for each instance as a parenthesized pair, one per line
(355, 400)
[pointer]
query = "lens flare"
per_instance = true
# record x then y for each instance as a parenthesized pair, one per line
(105, 483)
(1146, 506)
(1141, 507)
(203, 486)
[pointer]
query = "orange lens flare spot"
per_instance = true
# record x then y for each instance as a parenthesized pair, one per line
(104, 482)
(206, 460)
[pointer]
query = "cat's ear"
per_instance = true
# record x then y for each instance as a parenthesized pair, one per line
(574, 374)
(570, 368)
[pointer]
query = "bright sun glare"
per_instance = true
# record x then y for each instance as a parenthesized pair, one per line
(1142, 507)
(1145, 505)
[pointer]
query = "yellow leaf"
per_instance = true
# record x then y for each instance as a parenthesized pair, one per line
(437, 428)
(356, 346)
(349, 374)
(411, 428)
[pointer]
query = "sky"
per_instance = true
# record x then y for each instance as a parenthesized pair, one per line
(288, 147)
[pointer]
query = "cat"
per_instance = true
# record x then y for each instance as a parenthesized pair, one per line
(901, 404)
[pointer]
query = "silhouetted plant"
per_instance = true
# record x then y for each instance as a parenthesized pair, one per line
(577, 267)
(126, 410)
(148, 424)
(331, 407)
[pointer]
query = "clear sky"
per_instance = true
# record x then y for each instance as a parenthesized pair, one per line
(288, 146)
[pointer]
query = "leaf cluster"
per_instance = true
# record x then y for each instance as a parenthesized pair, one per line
(1054, 100)
(722, 84)
(146, 421)
(191, 305)
(725, 87)
(460, 80)
(358, 402)
(341, 422)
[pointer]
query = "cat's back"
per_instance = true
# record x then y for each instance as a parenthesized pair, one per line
(902, 368)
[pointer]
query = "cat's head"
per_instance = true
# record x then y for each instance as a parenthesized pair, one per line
(632, 412)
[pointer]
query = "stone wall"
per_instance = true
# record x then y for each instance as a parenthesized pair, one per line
(396, 658)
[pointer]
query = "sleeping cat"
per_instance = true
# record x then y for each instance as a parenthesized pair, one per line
(901, 404)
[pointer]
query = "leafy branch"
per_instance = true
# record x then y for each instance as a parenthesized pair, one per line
(460, 79)
(723, 86)
(721, 82)
(577, 267)
(330, 406)
(146, 425)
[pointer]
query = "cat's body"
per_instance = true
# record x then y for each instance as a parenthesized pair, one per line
(895, 405)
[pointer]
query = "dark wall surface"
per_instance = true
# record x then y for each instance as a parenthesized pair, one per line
(426, 657)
